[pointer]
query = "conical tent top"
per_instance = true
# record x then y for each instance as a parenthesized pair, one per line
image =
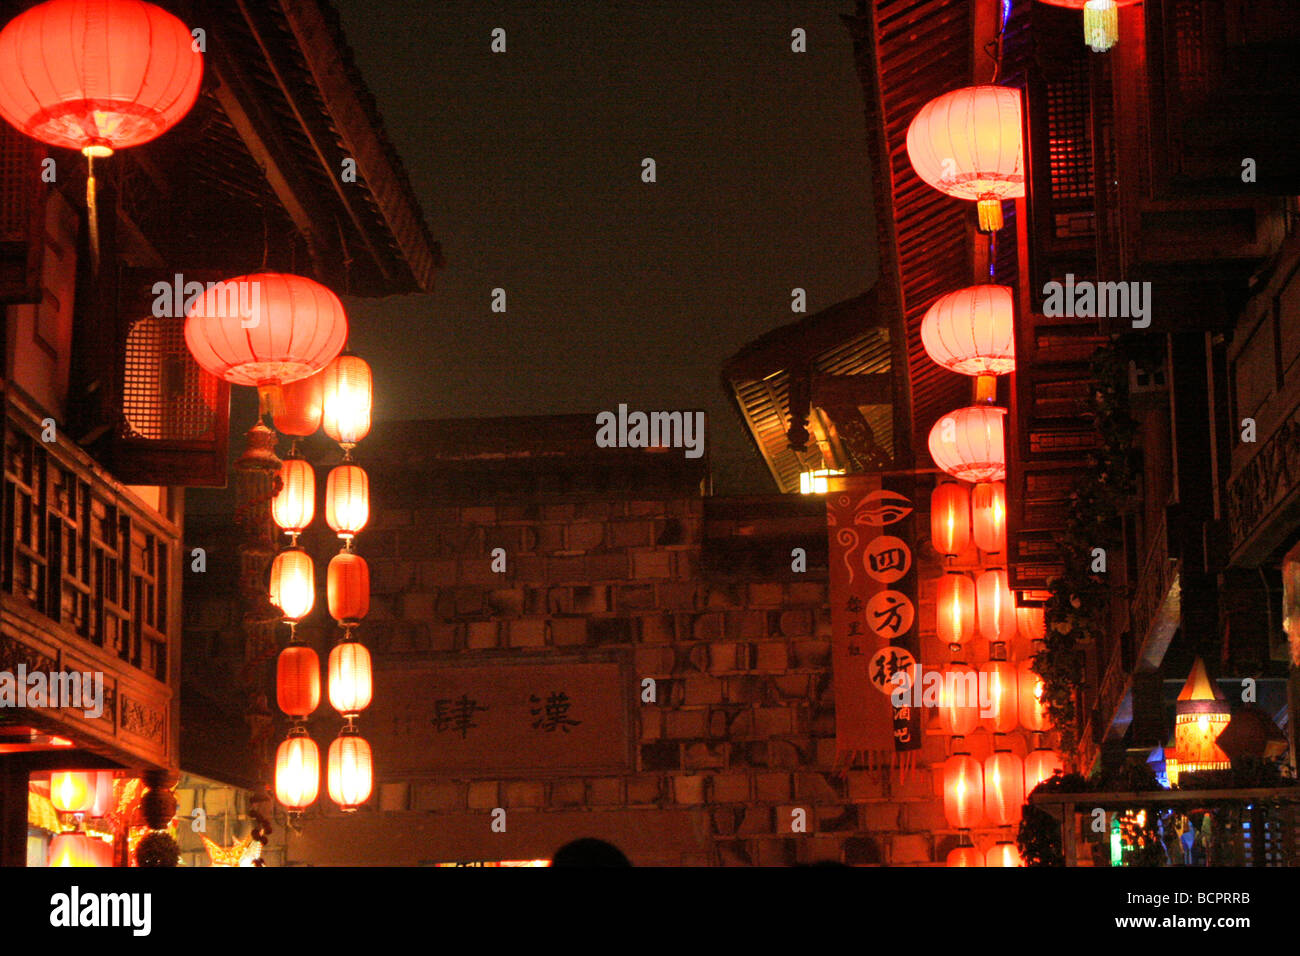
(1199, 686)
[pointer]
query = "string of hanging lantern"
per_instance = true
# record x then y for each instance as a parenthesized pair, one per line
(968, 143)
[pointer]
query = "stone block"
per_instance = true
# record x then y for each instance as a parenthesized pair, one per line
(606, 791)
(643, 791)
(703, 690)
(816, 788)
(729, 788)
(612, 566)
(439, 796)
(685, 724)
(746, 625)
(766, 594)
(630, 534)
(771, 657)
(866, 785)
(568, 631)
(635, 597)
(905, 848)
(527, 632)
(568, 792)
(651, 565)
(585, 536)
(689, 789)
(484, 795)
(796, 623)
(481, 635)
(707, 627)
(658, 627)
(702, 756)
(772, 787)
(525, 793)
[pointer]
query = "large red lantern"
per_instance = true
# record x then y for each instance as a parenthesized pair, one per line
(348, 587)
(989, 516)
(1004, 788)
(996, 605)
(297, 770)
(1033, 714)
(963, 791)
(347, 500)
(950, 518)
(72, 791)
(968, 144)
(293, 583)
(955, 609)
(266, 328)
(296, 408)
(959, 700)
(1001, 681)
(104, 803)
(297, 680)
(79, 849)
(351, 683)
(968, 443)
(348, 396)
(1003, 854)
(1031, 623)
(972, 331)
(97, 75)
(295, 504)
(1100, 20)
(350, 770)
(1039, 766)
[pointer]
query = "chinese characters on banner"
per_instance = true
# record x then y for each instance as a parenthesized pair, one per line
(875, 637)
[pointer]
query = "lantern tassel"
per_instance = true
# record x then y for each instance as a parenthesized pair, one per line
(1101, 24)
(990, 213)
(92, 213)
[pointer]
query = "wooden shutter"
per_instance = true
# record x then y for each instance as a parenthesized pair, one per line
(22, 216)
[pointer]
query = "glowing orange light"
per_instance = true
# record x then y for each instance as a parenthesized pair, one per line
(955, 609)
(297, 770)
(989, 516)
(968, 443)
(963, 791)
(950, 518)
(350, 770)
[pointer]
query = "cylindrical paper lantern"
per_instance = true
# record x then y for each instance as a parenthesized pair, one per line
(965, 856)
(293, 583)
(1003, 854)
(996, 605)
(968, 144)
(1002, 684)
(295, 505)
(950, 518)
(350, 771)
(1030, 623)
(955, 609)
(959, 700)
(963, 791)
(351, 683)
(1039, 766)
(104, 803)
(1033, 715)
(348, 585)
(296, 408)
(989, 516)
(968, 444)
(72, 791)
(80, 850)
(1004, 788)
(297, 680)
(347, 500)
(297, 770)
(348, 393)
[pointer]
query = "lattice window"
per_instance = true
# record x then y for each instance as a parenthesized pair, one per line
(165, 395)
(1069, 136)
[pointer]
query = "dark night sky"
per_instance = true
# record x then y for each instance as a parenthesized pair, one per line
(527, 165)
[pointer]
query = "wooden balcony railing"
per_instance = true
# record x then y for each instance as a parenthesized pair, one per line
(88, 581)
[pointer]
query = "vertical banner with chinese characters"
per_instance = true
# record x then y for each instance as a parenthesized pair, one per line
(875, 641)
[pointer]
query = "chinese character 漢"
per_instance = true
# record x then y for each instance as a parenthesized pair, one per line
(554, 714)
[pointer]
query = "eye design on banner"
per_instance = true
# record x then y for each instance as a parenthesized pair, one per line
(883, 507)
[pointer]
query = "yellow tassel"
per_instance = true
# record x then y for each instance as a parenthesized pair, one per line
(1101, 24)
(990, 211)
(92, 213)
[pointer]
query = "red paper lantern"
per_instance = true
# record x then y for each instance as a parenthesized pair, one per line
(965, 856)
(1039, 766)
(1030, 623)
(296, 408)
(968, 444)
(348, 587)
(295, 505)
(80, 850)
(297, 680)
(1003, 689)
(347, 500)
(1003, 854)
(972, 331)
(297, 770)
(968, 144)
(72, 791)
(996, 605)
(950, 518)
(1033, 715)
(293, 583)
(955, 609)
(1100, 20)
(348, 396)
(1004, 788)
(350, 770)
(266, 328)
(351, 684)
(959, 700)
(104, 803)
(989, 516)
(963, 791)
(97, 75)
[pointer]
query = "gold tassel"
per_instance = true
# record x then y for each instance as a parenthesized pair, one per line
(990, 212)
(92, 214)
(1101, 24)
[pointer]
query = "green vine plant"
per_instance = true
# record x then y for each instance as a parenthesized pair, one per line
(1078, 607)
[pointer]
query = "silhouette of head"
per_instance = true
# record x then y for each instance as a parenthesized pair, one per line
(589, 851)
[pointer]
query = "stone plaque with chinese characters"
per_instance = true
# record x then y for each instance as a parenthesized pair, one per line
(499, 718)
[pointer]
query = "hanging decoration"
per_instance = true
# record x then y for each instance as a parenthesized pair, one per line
(989, 516)
(996, 605)
(955, 610)
(999, 676)
(97, 76)
(950, 518)
(963, 791)
(1100, 20)
(968, 443)
(972, 332)
(1004, 788)
(1202, 714)
(968, 144)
